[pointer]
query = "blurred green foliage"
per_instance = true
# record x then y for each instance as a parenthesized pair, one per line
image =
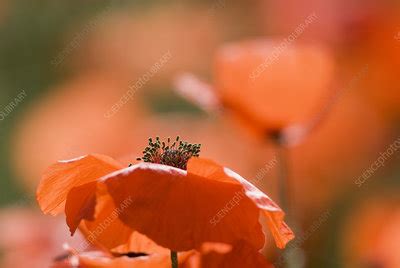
(31, 36)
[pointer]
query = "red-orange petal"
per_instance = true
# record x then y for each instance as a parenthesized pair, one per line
(274, 214)
(99, 221)
(90, 207)
(240, 255)
(80, 204)
(176, 208)
(61, 177)
(140, 243)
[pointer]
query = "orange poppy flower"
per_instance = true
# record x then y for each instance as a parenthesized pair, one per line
(205, 203)
(267, 84)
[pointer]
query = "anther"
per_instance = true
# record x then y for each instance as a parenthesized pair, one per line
(176, 155)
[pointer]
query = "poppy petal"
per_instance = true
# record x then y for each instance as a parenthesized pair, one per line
(188, 209)
(80, 204)
(103, 228)
(275, 216)
(140, 243)
(61, 177)
(239, 255)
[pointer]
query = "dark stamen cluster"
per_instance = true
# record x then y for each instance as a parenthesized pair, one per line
(176, 154)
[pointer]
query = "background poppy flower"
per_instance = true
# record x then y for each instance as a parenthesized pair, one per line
(92, 95)
(117, 45)
(370, 236)
(320, 165)
(337, 23)
(28, 239)
(379, 87)
(275, 90)
(268, 84)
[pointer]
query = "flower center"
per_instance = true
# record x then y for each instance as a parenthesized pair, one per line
(176, 154)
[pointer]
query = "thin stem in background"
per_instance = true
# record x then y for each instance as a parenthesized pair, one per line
(283, 180)
(292, 258)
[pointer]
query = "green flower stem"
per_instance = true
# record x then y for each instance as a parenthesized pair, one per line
(174, 259)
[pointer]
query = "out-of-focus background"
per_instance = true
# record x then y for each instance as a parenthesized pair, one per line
(64, 64)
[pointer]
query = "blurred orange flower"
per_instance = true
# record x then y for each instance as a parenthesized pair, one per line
(29, 240)
(267, 84)
(320, 166)
(224, 206)
(73, 120)
(337, 22)
(381, 84)
(123, 43)
(371, 236)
